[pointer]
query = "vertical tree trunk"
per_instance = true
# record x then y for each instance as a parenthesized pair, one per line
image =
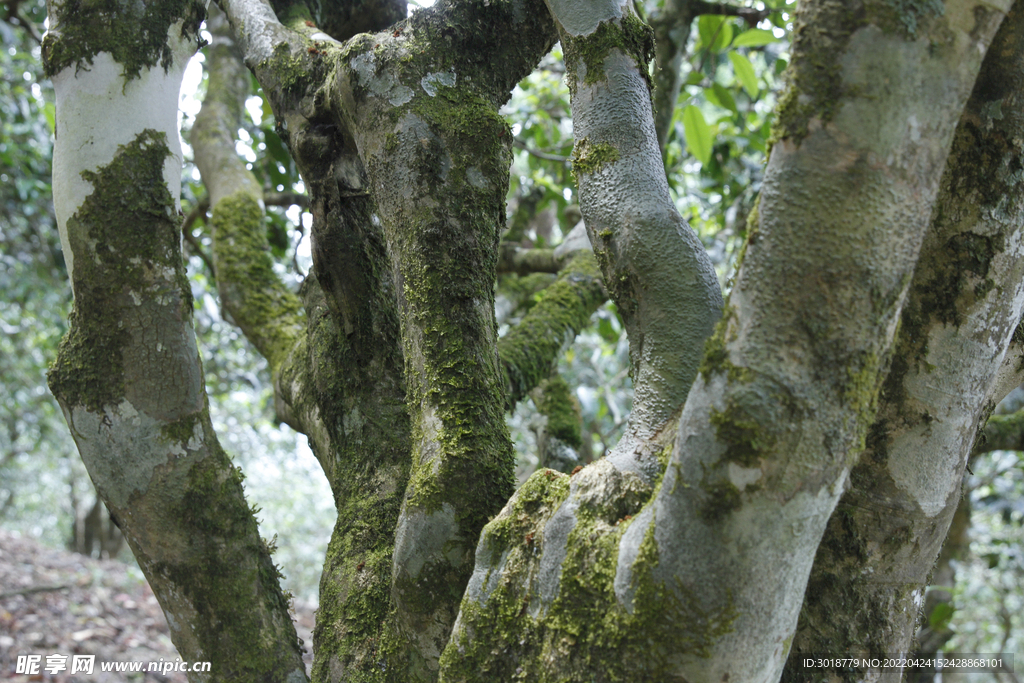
(961, 312)
(128, 376)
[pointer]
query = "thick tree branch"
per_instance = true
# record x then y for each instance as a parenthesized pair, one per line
(519, 144)
(514, 259)
(958, 321)
(748, 14)
(665, 287)
(128, 376)
(559, 442)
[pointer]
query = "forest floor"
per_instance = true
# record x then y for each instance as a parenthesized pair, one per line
(54, 602)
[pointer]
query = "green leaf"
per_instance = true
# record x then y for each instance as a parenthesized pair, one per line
(940, 616)
(721, 96)
(50, 112)
(745, 73)
(607, 331)
(715, 32)
(698, 134)
(755, 37)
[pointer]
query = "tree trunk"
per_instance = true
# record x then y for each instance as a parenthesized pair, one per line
(785, 398)
(128, 376)
(961, 312)
(683, 555)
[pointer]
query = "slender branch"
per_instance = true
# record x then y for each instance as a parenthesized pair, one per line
(286, 199)
(513, 259)
(750, 15)
(518, 144)
(13, 17)
(267, 312)
(201, 209)
(531, 348)
(198, 250)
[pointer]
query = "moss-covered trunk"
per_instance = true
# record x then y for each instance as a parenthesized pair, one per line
(128, 376)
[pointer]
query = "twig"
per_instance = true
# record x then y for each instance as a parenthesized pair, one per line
(201, 208)
(540, 155)
(286, 199)
(753, 17)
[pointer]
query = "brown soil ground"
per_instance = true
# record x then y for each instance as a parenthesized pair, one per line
(57, 602)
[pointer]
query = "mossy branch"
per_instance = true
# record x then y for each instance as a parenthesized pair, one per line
(1002, 433)
(528, 352)
(268, 313)
(514, 259)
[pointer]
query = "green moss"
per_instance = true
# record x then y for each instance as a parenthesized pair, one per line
(746, 442)
(629, 34)
(585, 629)
(716, 355)
(904, 17)
(229, 567)
(268, 313)
(367, 467)
(814, 83)
(297, 18)
(588, 157)
(181, 431)
(557, 402)
(460, 114)
(722, 498)
(111, 262)
(530, 349)
(134, 33)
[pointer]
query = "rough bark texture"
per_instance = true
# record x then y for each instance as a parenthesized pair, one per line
(128, 376)
(541, 604)
(788, 388)
(684, 555)
(398, 138)
(966, 296)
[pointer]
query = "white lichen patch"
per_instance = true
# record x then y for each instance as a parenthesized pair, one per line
(742, 477)
(384, 85)
(430, 82)
(581, 18)
(422, 537)
(320, 35)
(88, 136)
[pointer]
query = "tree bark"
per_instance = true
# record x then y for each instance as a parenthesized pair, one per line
(961, 312)
(128, 376)
(782, 407)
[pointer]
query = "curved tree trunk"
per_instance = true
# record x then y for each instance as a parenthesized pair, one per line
(128, 376)
(786, 395)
